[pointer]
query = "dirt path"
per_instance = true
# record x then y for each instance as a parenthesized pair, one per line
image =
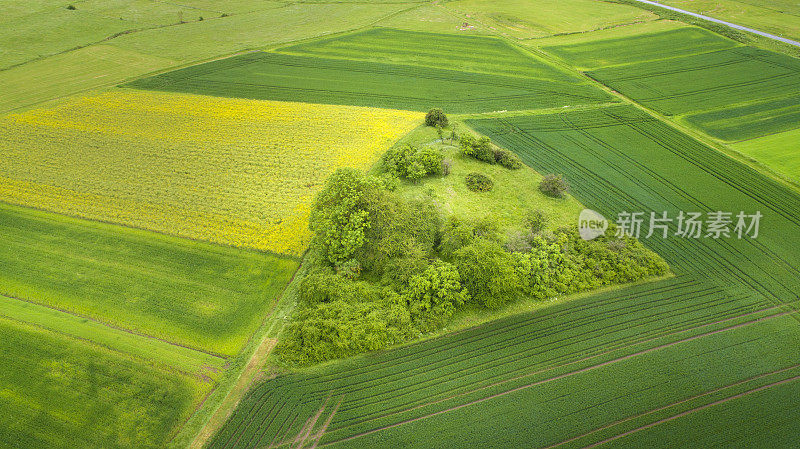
(228, 405)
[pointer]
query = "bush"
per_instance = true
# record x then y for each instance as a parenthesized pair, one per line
(434, 295)
(71, 7)
(447, 166)
(412, 163)
(535, 221)
(507, 159)
(489, 273)
(436, 117)
(554, 186)
(483, 150)
(478, 182)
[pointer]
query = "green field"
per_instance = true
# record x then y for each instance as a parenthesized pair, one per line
(196, 294)
(446, 51)
(750, 120)
(779, 17)
(705, 81)
(57, 392)
(274, 76)
(779, 151)
(640, 48)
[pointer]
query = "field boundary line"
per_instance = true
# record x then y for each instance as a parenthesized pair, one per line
(568, 374)
(696, 409)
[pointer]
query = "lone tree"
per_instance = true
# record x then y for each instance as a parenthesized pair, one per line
(436, 117)
(554, 185)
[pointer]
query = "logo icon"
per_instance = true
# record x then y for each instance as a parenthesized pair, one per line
(591, 224)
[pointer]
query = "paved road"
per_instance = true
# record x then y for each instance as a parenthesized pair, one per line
(732, 25)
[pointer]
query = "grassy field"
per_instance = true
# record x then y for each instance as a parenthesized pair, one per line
(274, 76)
(719, 79)
(230, 171)
(515, 192)
(780, 17)
(58, 392)
(196, 294)
(777, 151)
(516, 18)
(640, 48)
(156, 351)
(446, 51)
(248, 25)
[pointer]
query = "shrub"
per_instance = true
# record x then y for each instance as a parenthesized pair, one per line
(447, 166)
(535, 220)
(478, 182)
(431, 159)
(467, 143)
(71, 7)
(507, 159)
(554, 186)
(412, 163)
(483, 150)
(433, 296)
(436, 117)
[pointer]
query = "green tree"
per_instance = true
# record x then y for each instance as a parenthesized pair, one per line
(434, 295)
(489, 273)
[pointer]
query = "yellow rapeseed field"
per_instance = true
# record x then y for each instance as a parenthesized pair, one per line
(232, 171)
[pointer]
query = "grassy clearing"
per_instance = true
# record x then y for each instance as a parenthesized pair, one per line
(523, 19)
(275, 76)
(62, 393)
(749, 121)
(236, 172)
(719, 79)
(157, 351)
(515, 192)
(778, 151)
(779, 17)
(196, 294)
(447, 51)
(431, 18)
(641, 48)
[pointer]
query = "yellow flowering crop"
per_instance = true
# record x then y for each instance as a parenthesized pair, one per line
(232, 171)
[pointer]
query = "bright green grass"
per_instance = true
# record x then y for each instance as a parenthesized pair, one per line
(135, 54)
(749, 120)
(636, 29)
(204, 296)
(40, 28)
(526, 19)
(780, 17)
(705, 81)
(640, 48)
(448, 51)
(515, 192)
(780, 152)
(274, 76)
(430, 18)
(145, 348)
(57, 392)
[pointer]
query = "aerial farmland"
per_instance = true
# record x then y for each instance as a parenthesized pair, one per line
(399, 224)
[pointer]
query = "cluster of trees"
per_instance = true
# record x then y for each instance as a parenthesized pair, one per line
(412, 163)
(483, 150)
(382, 270)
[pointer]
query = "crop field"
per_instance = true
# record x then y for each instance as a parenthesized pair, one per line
(57, 392)
(777, 151)
(640, 48)
(196, 294)
(608, 368)
(446, 51)
(705, 81)
(779, 17)
(283, 77)
(751, 120)
(516, 18)
(230, 171)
